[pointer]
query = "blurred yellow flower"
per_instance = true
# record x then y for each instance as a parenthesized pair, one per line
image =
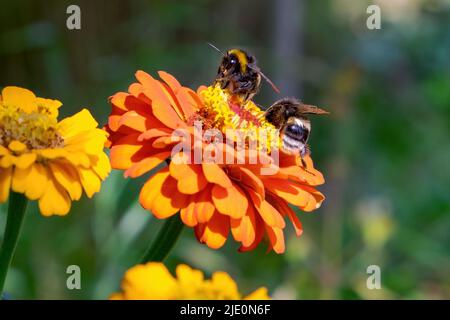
(152, 281)
(47, 160)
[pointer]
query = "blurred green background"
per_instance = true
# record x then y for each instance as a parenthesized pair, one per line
(384, 151)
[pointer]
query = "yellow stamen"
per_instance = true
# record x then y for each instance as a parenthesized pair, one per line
(34, 130)
(229, 112)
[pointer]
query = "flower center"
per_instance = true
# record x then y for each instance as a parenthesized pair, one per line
(36, 129)
(226, 112)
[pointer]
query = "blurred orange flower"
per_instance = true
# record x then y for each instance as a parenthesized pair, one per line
(213, 198)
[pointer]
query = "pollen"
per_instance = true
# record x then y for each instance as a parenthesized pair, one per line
(228, 112)
(36, 128)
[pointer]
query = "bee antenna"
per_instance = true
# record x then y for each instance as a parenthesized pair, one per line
(274, 87)
(215, 48)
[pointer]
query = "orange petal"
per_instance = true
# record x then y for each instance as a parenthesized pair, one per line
(190, 178)
(147, 164)
(135, 89)
(214, 174)
(160, 195)
(216, 231)
(189, 215)
(113, 122)
(165, 141)
(276, 238)
(144, 78)
(268, 213)
(188, 103)
(244, 229)
(128, 102)
(123, 151)
(259, 234)
(152, 187)
(204, 205)
(248, 178)
(289, 191)
(118, 100)
(170, 80)
(133, 120)
(316, 199)
(284, 208)
(167, 115)
(154, 133)
(230, 201)
(297, 173)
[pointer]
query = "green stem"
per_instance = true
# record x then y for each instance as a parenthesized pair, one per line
(16, 212)
(165, 240)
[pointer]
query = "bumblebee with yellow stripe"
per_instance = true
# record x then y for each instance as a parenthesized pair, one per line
(239, 74)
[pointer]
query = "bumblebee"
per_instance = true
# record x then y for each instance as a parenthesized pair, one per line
(239, 74)
(289, 116)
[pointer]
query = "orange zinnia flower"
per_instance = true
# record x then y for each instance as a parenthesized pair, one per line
(213, 198)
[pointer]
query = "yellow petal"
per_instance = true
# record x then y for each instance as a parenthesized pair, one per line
(3, 151)
(102, 166)
(7, 161)
(17, 146)
(55, 200)
(90, 181)
(89, 141)
(77, 123)
(116, 296)
(50, 105)
(25, 160)
(259, 294)
(32, 181)
(20, 98)
(223, 282)
(68, 178)
(187, 276)
(51, 153)
(79, 159)
(150, 281)
(5, 183)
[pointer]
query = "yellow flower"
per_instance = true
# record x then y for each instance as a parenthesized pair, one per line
(152, 281)
(47, 160)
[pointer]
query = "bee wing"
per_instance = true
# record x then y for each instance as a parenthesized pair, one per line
(310, 109)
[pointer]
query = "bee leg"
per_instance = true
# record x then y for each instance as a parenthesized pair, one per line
(225, 84)
(302, 154)
(303, 162)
